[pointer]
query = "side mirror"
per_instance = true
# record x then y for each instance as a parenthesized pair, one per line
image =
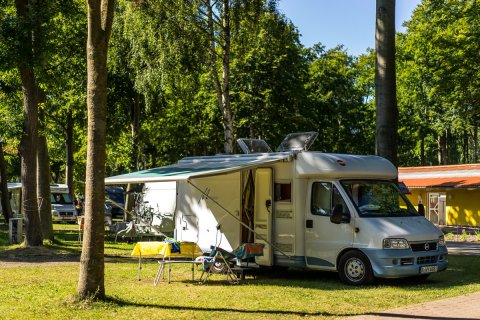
(338, 216)
(421, 209)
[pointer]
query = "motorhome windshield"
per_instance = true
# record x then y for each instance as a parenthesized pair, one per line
(378, 199)
(61, 198)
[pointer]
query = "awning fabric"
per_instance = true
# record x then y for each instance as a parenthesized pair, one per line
(195, 167)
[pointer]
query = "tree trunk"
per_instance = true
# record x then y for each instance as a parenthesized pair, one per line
(29, 140)
(423, 158)
(135, 129)
(69, 153)
(475, 144)
(43, 183)
(465, 149)
(6, 206)
(222, 88)
(91, 283)
(135, 165)
(226, 105)
(442, 149)
(385, 86)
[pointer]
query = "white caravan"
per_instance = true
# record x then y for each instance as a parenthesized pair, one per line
(312, 210)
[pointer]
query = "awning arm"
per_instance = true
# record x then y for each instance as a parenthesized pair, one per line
(240, 221)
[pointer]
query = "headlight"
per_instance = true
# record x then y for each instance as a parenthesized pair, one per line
(441, 241)
(391, 243)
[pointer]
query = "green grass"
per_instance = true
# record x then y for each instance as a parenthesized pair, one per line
(47, 292)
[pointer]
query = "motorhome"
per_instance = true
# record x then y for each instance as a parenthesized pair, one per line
(313, 210)
(63, 208)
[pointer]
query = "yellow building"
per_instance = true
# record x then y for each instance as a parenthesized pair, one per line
(450, 194)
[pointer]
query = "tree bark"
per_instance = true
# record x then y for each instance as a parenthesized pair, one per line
(69, 153)
(6, 206)
(91, 283)
(442, 149)
(465, 149)
(29, 140)
(226, 105)
(385, 86)
(222, 88)
(475, 144)
(43, 183)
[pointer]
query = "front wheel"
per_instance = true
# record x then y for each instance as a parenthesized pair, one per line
(355, 269)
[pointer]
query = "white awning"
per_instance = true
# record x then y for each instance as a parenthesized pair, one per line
(194, 167)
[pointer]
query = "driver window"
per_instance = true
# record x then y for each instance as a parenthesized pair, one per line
(324, 197)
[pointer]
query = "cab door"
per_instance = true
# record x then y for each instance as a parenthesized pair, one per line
(263, 214)
(324, 240)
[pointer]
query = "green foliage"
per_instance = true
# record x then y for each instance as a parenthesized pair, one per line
(438, 80)
(340, 88)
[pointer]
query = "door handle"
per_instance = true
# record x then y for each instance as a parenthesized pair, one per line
(309, 224)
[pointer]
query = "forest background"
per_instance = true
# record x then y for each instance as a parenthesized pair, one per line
(165, 62)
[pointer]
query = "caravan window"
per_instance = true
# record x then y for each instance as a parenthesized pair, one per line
(324, 197)
(283, 192)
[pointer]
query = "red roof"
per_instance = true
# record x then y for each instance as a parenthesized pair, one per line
(452, 176)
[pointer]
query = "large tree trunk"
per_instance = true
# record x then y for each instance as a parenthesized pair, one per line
(385, 86)
(442, 149)
(43, 184)
(226, 105)
(222, 88)
(29, 140)
(91, 283)
(69, 153)
(5, 199)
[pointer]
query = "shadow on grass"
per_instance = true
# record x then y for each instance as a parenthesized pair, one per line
(124, 303)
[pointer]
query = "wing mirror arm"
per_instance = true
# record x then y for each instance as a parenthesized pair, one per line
(338, 216)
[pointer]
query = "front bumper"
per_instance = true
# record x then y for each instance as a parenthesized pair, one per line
(405, 263)
(64, 216)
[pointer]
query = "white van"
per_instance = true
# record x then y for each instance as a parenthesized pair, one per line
(312, 210)
(63, 208)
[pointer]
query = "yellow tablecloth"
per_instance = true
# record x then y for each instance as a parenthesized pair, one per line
(163, 249)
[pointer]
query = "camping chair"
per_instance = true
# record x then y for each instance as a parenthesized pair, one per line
(219, 261)
(124, 229)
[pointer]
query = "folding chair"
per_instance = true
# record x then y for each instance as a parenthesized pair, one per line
(218, 262)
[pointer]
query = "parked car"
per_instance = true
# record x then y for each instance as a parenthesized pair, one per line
(116, 199)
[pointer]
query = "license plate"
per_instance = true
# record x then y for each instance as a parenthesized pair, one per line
(428, 269)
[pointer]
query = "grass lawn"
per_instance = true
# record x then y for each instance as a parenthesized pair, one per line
(47, 292)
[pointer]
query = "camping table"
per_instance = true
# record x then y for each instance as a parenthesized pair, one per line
(163, 249)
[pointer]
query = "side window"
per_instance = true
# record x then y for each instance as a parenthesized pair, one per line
(325, 196)
(321, 204)
(283, 192)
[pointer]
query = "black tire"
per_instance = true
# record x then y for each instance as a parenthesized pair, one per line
(355, 269)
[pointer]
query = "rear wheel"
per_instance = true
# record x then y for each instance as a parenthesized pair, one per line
(355, 269)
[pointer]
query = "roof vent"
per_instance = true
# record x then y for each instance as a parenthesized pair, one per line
(300, 141)
(253, 146)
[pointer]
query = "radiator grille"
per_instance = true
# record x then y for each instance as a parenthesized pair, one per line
(423, 246)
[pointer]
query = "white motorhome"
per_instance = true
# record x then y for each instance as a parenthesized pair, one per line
(63, 208)
(312, 210)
